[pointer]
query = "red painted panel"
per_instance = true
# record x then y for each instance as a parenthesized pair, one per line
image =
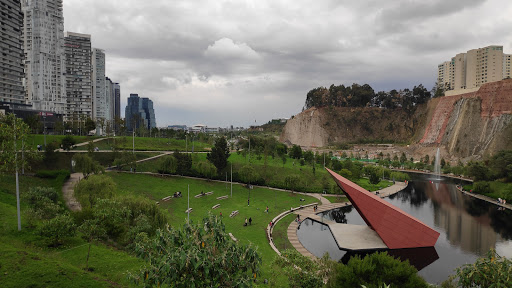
(396, 228)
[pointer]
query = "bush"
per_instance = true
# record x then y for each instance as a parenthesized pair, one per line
(168, 165)
(482, 188)
(375, 270)
(95, 187)
(53, 174)
(37, 194)
(490, 271)
(57, 229)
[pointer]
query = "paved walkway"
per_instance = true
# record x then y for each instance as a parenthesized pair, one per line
(69, 194)
(487, 199)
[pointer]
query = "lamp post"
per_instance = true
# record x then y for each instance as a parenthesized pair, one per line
(18, 210)
(133, 147)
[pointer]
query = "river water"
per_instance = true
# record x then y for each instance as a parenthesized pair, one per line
(469, 227)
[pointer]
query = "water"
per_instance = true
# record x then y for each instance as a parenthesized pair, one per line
(437, 165)
(469, 228)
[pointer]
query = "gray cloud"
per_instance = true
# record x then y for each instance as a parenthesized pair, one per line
(231, 62)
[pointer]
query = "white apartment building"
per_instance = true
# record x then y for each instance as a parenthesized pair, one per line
(473, 69)
(11, 52)
(43, 37)
(78, 76)
(98, 85)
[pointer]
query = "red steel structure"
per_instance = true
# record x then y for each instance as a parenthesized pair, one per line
(396, 228)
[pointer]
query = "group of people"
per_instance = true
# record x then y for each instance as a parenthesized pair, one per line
(315, 208)
(250, 221)
(502, 201)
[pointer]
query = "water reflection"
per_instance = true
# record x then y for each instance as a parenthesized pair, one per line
(469, 227)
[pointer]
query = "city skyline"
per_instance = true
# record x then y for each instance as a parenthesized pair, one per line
(242, 63)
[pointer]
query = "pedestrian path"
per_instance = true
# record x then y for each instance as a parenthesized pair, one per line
(68, 192)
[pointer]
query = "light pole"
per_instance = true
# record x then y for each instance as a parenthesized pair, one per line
(44, 129)
(188, 204)
(18, 210)
(133, 149)
(231, 180)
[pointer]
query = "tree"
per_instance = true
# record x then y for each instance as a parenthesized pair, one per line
(13, 131)
(283, 158)
(292, 182)
(490, 271)
(67, 142)
(219, 155)
(89, 190)
(85, 164)
(478, 171)
(89, 125)
(403, 158)
(374, 270)
(248, 174)
(201, 255)
(91, 231)
(168, 165)
(296, 152)
(206, 169)
(308, 157)
(300, 270)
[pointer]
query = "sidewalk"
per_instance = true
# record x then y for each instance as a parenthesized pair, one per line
(68, 192)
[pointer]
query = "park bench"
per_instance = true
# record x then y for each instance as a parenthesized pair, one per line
(166, 198)
(232, 237)
(209, 193)
(233, 214)
(188, 210)
(223, 197)
(216, 206)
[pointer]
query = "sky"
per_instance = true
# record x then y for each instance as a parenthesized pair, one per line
(245, 62)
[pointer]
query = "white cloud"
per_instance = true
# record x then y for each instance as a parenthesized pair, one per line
(220, 61)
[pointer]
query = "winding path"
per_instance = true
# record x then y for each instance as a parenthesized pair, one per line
(68, 192)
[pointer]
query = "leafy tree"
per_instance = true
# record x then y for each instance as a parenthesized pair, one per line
(219, 155)
(11, 156)
(168, 165)
(90, 147)
(283, 158)
(206, 169)
(292, 182)
(375, 270)
(91, 231)
(301, 271)
(85, 164)
(200, 255)
(490, 271)
(478, 171)
(93, 188)
(184, 162)
(501, 164)
(248, 174)
(67, 142)
(403, 158)
(308, 157)
(57, 229)
(296, 152)
(89, 125)
(374, 177)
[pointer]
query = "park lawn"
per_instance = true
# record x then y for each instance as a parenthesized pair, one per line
(280, 232)
(27, 262)
(341, 199)
(156, 188)
(35, 139)
(499, 190)
(160, 144)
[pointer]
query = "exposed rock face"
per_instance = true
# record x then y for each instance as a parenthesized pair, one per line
(471, 124)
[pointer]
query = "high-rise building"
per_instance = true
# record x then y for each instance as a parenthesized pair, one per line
(109, 99)
(117, 100)
(11, 49)
(139, 112)
(474, 68)
(98, 85)
(78, 76)
(507, 64)
(43, 35)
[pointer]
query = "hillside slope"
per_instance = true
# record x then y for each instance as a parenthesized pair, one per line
(472, 124)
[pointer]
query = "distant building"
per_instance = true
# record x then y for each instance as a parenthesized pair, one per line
(43, 35)
(178, 127)
(109, 99)
(117, 100)
(11, 48)
(139, 112)
(199, 128)
(78, 76)
(100, 102)
(473, 69)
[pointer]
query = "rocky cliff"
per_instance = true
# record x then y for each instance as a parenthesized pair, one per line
(471, 124)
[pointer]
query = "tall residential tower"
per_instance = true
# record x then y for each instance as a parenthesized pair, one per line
(43, 35)
(78, 76)
(11, 52)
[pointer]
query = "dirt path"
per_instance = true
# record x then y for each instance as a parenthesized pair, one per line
(69, 194)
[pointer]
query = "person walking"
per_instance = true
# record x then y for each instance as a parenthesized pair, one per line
(245, 224)
(250, 221)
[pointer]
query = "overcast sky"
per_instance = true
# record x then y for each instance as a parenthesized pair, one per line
(224, 63)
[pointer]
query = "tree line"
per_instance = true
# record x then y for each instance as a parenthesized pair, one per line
(358, 95)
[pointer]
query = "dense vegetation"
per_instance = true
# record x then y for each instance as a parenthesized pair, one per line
(364, 96)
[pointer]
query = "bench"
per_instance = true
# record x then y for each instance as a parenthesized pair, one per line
(216, 206)
(233, 237)
(188, 210)
(209, 193)
(223, 197)
(165, 199)
(157, 203)
(233, 214)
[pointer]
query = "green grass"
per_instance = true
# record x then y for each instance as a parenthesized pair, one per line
(280, 233)
(499, 190)
(337, 199)
(156, 188)
(152, 144)
(26, 262)
(35, 139)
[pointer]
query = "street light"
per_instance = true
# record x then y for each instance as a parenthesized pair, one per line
(133, 150)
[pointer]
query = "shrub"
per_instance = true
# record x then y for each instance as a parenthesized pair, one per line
(168, 165)
(482, 188)
(95, 187)
(490, 271)
(37, 194)
(53, 174)
(57, 229)
(374, 270)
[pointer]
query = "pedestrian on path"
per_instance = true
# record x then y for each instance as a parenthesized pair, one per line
(250, 221)
(245, 224)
